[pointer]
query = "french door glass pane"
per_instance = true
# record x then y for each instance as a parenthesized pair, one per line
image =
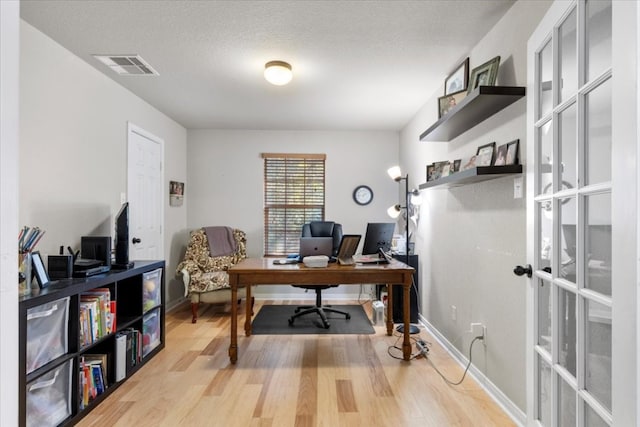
(568, 239)
(544, 392)
(567, 330)
(545, 160)
(546, 76)
(567, 404)
(568, 146)
(598, 243)
(598, 135)
(568, 72)
(545, 231)
(544, 315)
(592, 419)
(598, 32)
(598, 352)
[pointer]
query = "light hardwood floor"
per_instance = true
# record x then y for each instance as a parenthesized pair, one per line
(291, 380)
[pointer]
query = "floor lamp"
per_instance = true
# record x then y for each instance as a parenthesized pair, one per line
(394, 211)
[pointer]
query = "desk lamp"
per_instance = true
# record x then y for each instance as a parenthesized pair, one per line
(394, 211)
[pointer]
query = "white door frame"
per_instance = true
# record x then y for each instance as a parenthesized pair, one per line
(131, 129)
(625, 209)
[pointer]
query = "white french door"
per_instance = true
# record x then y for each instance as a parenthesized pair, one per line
(144, 185)
(569, 211)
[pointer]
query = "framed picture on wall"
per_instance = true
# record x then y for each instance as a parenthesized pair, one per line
(485, 74)
(458, 80)
(485, 154)
(448, 102)
(430, 172)
(512, 156)
(176, 193)
(501, 156)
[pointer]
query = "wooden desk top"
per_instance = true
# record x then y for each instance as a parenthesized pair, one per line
(264, 271)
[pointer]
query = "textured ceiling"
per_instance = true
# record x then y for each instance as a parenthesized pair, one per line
(358, 65)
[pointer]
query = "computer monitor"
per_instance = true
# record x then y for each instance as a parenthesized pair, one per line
(378, 235)
(122, 238)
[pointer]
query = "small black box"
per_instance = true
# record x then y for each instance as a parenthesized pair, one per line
(96, 247)
(60, 266)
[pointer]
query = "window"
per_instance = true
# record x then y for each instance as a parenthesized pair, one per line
(293, 195)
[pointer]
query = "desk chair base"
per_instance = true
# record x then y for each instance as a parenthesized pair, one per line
(318, 309)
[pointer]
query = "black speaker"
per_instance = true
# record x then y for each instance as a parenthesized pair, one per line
(398, 296)
(60, 266)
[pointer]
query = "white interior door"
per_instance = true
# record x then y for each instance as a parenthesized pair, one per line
(144, 182)
(569, 181)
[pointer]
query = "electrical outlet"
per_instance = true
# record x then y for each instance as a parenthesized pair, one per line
(454, 313)
(478, 330)
(518, 187)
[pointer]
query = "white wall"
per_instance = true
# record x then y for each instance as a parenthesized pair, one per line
(225, 181)
(73, 149)
(471, 237)
(9, 101)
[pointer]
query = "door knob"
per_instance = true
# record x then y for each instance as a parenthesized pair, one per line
(136, 240)
(520, 270)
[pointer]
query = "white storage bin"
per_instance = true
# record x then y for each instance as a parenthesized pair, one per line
(49, 397)
(47, 332)
(151, 286)
(150, 331)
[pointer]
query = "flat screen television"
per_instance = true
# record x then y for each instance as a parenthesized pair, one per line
(122, 238)
(378, 235)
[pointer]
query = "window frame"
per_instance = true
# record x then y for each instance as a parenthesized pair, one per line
(294, 193)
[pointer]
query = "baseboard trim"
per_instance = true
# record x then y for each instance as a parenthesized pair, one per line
(515, 413)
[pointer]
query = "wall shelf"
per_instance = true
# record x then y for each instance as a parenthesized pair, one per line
(480, 104)
(469, 176)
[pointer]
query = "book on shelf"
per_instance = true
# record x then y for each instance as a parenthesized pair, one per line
(92, 377)
(97, 315)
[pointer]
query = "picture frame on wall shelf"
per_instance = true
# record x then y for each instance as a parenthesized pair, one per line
(449, 102)
(458, 79)
(456, 165)
(501, 156)
(485, 74)
(485, 154)
(513, 156)
(440, 169)
(430, 172)
(468, 163)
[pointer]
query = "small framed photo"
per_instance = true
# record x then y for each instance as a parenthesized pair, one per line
(485, 154)
(430, 172)
(501, 156)
(440, 171)
(468, 163)
(512, 156)
(456, 165)
(484, 75)
(458, 79)
(39, 271)
(448, 102)
(176, 193)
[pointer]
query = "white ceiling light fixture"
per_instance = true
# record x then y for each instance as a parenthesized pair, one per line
(278, 72)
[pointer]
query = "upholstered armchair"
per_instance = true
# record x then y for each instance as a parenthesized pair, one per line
(210, 253)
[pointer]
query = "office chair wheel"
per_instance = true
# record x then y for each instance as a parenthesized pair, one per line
(327, 325)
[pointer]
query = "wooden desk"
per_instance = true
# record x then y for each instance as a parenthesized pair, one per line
(262, 271)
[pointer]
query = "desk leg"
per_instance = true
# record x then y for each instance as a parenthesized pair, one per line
(233, 347)
(389, 310)
(247, 320)
(406, 319)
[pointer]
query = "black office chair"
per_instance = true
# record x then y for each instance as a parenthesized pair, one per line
(320, 229)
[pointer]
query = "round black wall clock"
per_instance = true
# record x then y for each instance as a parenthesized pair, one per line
(362, 195)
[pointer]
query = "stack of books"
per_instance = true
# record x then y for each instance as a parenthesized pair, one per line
(97, 316)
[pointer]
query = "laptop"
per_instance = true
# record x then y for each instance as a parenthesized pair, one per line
(311, 246)
(348, 247)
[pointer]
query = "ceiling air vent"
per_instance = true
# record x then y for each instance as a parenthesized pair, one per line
(127, 65)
